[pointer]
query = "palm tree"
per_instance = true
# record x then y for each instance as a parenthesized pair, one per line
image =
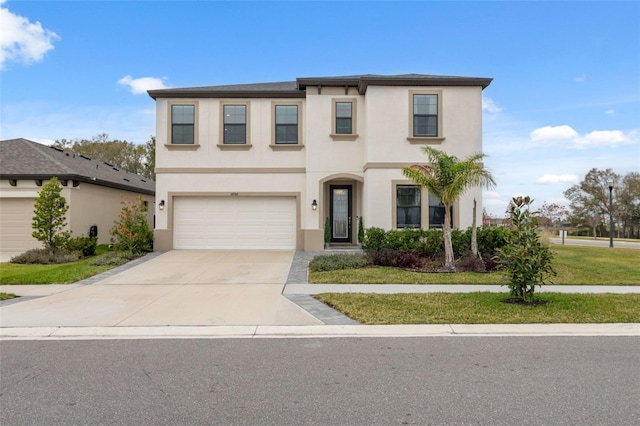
(447, 177)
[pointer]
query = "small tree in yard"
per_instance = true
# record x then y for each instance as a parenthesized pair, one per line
(526, 259)
(131, 232)
(50, 219)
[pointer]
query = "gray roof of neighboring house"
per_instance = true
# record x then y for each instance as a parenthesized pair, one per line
(296, 89)
(25, 159)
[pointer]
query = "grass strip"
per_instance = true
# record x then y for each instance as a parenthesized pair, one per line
(7, 296)
(575, 265)
(484, 308)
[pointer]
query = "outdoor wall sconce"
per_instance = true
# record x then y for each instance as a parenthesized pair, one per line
(314, 205)
(161, 205)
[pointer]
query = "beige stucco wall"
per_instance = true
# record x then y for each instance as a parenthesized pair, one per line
(370, 163)
(99, 205)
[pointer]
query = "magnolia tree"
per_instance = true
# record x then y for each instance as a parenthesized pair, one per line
(526, 260)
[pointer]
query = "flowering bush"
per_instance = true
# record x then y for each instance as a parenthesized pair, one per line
(131, 231)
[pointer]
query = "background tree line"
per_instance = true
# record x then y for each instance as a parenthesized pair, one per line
(590, 204)
(138, 159)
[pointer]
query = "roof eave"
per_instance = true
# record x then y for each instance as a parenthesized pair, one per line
(84, 179)
(421, 81)
(233, 94)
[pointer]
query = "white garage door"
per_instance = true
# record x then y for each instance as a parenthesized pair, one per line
(16, 215)
(234, 223)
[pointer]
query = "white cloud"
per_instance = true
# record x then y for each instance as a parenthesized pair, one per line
(610, 112)
(580, 79)
(553, 133)
(141, 85)
(21, 40)
(599, 138)
(562, 178)
(489, 105)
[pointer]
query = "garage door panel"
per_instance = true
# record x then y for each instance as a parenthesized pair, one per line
(235, 223)
(15, 225)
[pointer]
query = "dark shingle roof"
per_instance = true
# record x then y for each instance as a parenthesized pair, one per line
(25, 159)
(296, 89)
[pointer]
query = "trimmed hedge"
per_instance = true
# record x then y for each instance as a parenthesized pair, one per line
(430, 242)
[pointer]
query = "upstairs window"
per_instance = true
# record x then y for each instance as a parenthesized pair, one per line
(286, 124)
(408, 206)
(344, 118)
(182, 124)
(425, 115)
(234, 124)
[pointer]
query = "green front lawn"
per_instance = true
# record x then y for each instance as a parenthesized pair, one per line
(484, 308)
(575, 265)
(65, 273)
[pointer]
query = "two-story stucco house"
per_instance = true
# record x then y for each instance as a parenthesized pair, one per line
(255, 166)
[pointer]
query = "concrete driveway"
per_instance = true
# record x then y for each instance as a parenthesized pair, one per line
(177, 288)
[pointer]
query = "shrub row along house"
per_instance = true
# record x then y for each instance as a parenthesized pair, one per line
(256, 166)
(93, 190)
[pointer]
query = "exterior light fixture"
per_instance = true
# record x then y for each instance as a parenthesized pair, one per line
(314, 205)
(161, 205)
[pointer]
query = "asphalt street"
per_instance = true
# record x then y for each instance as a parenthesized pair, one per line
(354, 381)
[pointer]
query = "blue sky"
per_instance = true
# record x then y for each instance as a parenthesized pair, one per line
(565, 96)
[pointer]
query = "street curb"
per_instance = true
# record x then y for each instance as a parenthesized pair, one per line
(321, 331)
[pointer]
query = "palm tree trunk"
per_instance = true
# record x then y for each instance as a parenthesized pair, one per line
(449, 260)
(474, 232)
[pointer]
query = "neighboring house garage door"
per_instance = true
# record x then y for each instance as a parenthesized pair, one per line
(16, 215)
(234, 223)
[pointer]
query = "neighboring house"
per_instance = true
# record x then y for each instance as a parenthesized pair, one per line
(257, 166)
(93, 191)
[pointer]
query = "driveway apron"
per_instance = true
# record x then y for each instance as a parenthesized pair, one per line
(179, 288)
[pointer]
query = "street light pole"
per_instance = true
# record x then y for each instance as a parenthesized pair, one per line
(611, 216)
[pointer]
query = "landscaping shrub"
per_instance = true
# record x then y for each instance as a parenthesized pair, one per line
(114, 258)
(374, 238)
(45, 257)
(332, 262)
(131, 231)
(492, 239)
(471, 263)
(381, 257)
(407, 259)
(461, 242)
(86, 245)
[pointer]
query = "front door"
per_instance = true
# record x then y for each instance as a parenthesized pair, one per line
(340, 213)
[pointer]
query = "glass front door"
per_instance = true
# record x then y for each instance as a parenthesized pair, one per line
(340, 213)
